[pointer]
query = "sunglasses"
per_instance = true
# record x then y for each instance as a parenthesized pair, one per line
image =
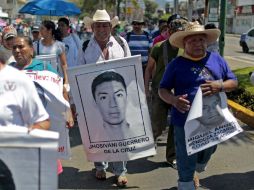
(137, 23)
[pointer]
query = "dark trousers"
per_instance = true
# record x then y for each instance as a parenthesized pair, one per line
(159, 118)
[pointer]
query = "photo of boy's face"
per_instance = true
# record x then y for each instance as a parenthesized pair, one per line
(211, 111)
(111, 100)
(110, 95)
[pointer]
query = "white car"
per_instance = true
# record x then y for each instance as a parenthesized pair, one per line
(247, 40)
(252, 78)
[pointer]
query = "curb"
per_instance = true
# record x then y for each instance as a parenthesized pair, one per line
(242, 113)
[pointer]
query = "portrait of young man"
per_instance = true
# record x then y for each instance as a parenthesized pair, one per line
(212, 115)
(110, 95)
(109, 91)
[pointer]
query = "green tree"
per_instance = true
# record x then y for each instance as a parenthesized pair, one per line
(88, 7)
(150, 9)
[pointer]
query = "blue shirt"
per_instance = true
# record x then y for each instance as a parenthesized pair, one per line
(185, 76)
(37, 65)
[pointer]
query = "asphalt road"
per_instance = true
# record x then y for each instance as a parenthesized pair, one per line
(234, 55)
(231, 167)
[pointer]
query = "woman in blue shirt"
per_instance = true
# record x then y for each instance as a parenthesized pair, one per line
(185, 74)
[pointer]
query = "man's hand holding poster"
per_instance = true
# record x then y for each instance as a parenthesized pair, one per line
(113, 115)
(209, 122)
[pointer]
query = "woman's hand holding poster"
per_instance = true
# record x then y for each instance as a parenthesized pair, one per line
(209, 122)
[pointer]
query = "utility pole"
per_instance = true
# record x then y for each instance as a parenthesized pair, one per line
(223, 8)
(176, 6)
(189, 8)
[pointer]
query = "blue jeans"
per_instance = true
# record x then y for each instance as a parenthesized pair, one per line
(119, 168)
(187, 165)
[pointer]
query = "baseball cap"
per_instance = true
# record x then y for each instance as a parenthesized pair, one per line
(176, 22)
(9, 31)
(35, 28)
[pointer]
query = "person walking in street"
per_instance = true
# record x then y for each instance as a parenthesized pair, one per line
(139, 42)
(103, 46)
(71, 41)
(36, 33)
(163, 34)
(20, 104)
(185, 74)
(160, 56)
(23, 54)
(72, 46)
(214, 47)
(8, 35)
(51, 44)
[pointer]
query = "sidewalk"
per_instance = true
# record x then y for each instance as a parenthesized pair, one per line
(231, 168)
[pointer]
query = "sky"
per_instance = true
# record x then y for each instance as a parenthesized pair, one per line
(162, 3)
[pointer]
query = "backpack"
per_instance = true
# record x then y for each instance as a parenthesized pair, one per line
(117, 38)
(145, 32)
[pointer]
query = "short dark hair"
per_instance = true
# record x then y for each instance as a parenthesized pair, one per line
(27, 39)
(64, 20)
(107, 76)
(51, 26)
(162, 21)
(210, 26)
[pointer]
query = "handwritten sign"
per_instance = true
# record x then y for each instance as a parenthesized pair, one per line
(50, 88)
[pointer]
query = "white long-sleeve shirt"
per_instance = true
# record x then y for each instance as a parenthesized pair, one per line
(93, 52)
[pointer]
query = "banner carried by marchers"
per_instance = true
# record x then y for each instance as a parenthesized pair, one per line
(50, 89)
(209, 122)
(112, 111)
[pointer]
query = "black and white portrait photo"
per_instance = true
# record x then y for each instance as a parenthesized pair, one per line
(209, 122)
(112, 111)
(212, 115)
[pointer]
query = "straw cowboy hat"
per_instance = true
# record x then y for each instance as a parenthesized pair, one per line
(193, 28)
(101, 16)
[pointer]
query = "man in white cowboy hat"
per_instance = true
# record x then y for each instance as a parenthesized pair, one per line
(185, 74)
(102, 43)
(103, 46)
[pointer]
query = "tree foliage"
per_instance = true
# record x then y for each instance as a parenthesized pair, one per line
(88, 7)
(150, 10)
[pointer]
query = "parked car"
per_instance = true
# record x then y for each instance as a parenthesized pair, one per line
(247, 40)
(252, 77)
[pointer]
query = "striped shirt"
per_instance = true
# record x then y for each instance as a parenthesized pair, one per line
(140, 44)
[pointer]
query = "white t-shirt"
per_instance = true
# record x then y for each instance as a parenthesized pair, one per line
(56, 49)
(72, 45)
(19, 101)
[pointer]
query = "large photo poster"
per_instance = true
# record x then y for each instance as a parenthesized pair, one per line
(209, 122)
(113, 115)
(28, 160)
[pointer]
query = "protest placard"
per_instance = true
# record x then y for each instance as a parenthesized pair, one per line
(209, 122)
(50, 89)
(28, 160)
(112, 111)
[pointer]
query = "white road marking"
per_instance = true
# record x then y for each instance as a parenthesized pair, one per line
(245, 59)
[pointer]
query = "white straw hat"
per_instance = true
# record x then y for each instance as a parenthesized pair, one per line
(193, 28)
(101, 16)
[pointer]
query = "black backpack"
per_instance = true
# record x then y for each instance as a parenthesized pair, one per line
(117, 38)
